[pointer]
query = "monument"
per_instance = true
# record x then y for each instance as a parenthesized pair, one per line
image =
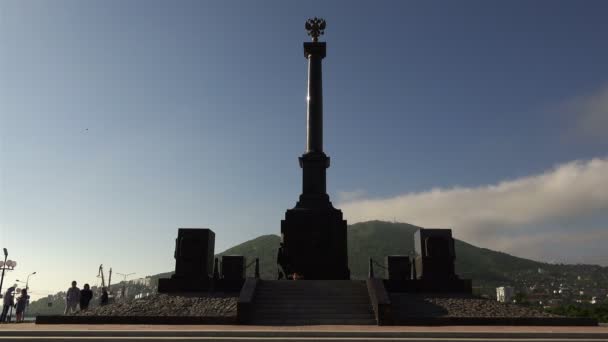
(194, 249)
(398, 267)
(314, 244)
(435, 254)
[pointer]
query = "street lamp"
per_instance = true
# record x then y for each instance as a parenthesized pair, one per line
(27, 281)
(27, 288)
(6, 265)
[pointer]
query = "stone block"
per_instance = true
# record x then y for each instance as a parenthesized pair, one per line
(194, 251)
(435, 254)
(233, 267)
(314, 244)
(398, 267)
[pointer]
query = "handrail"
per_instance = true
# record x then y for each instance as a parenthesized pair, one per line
(380, 300)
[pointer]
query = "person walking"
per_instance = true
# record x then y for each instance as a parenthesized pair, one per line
(21, 305)
(72, 298)
(85, 297)
(9, 301)
(104, 299)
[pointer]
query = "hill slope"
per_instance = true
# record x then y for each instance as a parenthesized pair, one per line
(378, 239)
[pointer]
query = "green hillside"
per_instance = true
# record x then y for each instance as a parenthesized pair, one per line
(378, 239)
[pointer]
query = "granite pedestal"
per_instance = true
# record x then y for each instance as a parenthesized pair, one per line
(194, 250)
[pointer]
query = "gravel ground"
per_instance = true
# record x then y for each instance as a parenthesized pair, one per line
(432, 305)
(216, 305)
(403, 305)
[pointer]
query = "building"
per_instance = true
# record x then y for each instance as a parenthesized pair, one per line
(504, 294)
(141, 281)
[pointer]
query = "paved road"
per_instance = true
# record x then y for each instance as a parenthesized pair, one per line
(412, 335)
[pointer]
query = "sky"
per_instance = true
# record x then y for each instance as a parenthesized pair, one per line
(122, 121)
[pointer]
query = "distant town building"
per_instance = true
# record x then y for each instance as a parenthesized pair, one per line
(504, 294)
(141, 281)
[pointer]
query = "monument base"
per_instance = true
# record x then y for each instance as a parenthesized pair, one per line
(314, 244)
(448, 285)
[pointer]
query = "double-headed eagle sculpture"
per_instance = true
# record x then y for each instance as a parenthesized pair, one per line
(315, 28)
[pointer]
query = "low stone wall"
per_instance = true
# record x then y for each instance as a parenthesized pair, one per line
(214, 308)
(455, 309)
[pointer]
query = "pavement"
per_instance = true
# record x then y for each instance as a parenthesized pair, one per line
(33, 333)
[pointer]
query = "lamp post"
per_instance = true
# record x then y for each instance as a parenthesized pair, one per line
(27, 281)
(6, 265)
(27, 288)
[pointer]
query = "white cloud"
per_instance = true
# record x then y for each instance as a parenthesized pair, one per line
(348, 196)
(590, 113)
(500, 215)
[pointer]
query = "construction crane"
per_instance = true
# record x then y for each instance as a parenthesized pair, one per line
(109, 279)
(100, 275)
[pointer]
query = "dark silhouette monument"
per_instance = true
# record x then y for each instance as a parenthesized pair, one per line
(435, 254)
(233, 267)
(398, 267)
(194, 248)
(314, 232)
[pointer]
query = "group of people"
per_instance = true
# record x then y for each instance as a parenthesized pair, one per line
(9, 303)
(76, 297)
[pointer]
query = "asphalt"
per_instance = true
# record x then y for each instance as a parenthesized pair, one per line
(33, 333)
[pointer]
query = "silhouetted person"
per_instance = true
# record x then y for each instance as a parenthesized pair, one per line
(104, 299)
(85, 297)
(9, 301)
(283, 260)
(21, 305)
(72, 298)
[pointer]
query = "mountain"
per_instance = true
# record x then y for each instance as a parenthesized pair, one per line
(377, 239)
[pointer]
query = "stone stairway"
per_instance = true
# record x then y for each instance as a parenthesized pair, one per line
(312, 302)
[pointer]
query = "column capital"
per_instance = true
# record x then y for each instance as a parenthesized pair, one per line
(314, 49)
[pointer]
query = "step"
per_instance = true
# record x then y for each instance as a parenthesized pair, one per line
(358, 299)
(312, 302)
(349, 306)
(312, 290)
(297, 315)
(313, 306)
(366, 311)
(312, 293)
(316, 322)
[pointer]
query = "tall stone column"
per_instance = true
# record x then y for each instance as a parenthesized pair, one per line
(314, 243)
(314, 52)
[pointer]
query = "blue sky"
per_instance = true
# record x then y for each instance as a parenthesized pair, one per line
(121, 121)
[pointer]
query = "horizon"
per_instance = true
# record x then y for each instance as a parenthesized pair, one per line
(124, 121)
